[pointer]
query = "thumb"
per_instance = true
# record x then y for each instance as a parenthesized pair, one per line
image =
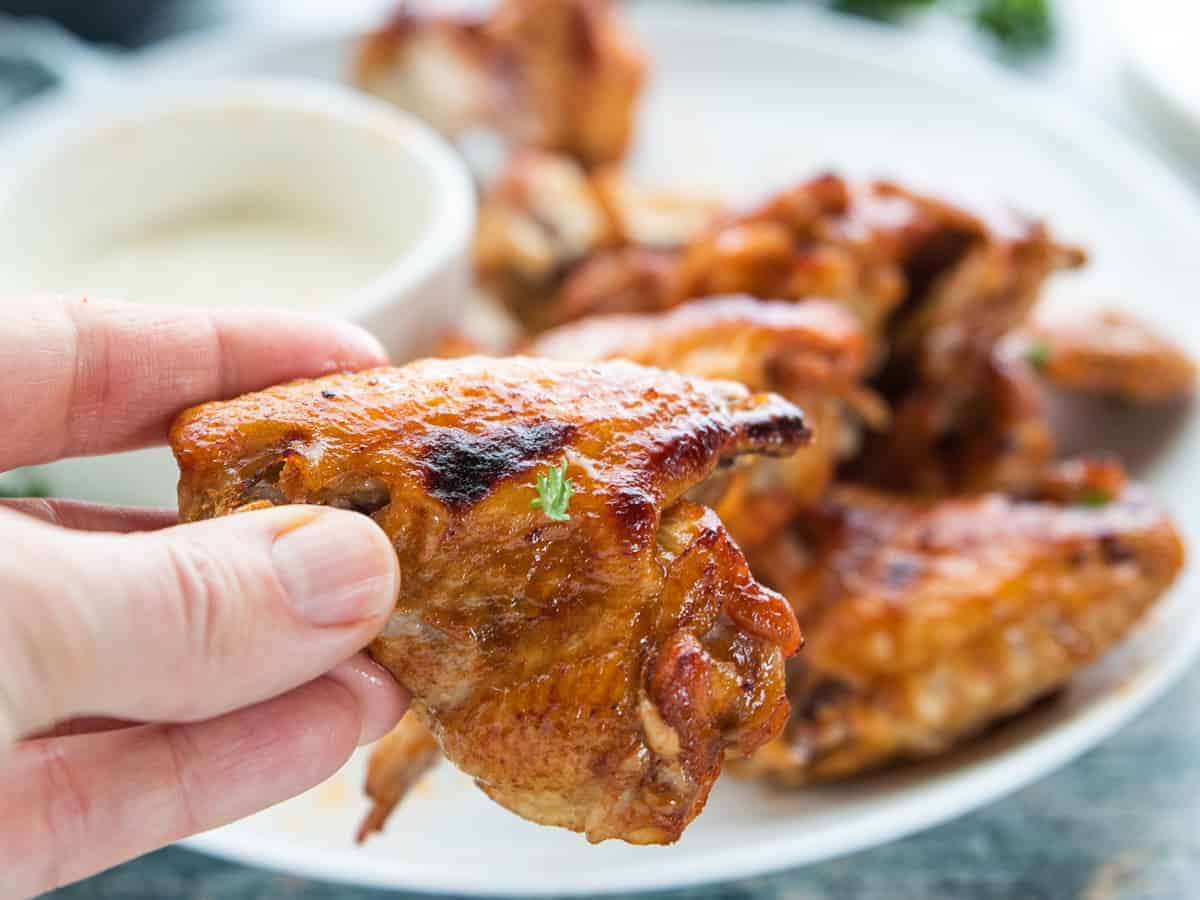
(185, 623)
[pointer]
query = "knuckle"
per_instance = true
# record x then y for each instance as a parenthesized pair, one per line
(66, 808)
(199, 586)
(47, 639)
(180, 753)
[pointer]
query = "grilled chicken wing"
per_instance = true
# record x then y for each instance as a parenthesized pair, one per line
(926, 621)
(811, 353)
(398, 761)
(988, 430)
(560, 75)
(929, 281)
(555, 242)
(1109, 353)
(589, 673)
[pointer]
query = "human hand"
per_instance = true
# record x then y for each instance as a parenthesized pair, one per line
(158, 681)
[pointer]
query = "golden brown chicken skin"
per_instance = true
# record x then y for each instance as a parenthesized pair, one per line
(927, 621)
(811, 353)
(556, 242)
(589, 673)
(1106, 352)
(559, 75)
(928, 280)
(986, 430)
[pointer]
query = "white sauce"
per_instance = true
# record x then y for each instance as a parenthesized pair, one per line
(232, 256)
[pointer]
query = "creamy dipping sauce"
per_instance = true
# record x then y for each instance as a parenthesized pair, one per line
(229, 256)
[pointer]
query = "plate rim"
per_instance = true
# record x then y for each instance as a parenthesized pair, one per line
(981, 782)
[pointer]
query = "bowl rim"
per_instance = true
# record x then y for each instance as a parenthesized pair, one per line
(442, 239)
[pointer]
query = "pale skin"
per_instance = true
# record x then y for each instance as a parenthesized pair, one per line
(157, 680)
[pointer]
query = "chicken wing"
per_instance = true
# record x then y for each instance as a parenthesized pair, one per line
(1109, 353)
(398, 761)
(928, 280)
(927, 621)
(559, 75)
(555, 242)
(811, 353)
(589, 668)
(986, 430)
(439, 68)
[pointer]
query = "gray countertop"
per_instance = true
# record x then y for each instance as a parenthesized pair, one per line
(1123, 822)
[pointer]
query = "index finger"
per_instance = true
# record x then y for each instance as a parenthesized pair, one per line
(83, 376)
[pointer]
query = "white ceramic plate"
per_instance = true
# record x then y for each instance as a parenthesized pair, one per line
(742, 109)
(1160, 38)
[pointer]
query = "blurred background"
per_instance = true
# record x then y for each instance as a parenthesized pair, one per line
(1121, 823)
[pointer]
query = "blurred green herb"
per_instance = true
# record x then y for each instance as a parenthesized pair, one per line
(554, 493)
(1037, 354)
(1017, 25)
(1094, 497)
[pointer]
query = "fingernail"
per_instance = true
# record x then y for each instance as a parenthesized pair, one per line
(364, 344)
(338, 568)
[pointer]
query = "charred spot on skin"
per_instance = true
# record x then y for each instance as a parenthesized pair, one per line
(460, 467)
(689, 450)
(328, 394)
(948, 444)
(823, 693)
(1114, 550)
(779, 432)
(636, 513)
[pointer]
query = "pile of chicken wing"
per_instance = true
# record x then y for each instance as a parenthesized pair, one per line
(947, 566)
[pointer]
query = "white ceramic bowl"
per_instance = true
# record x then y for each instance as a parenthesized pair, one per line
(393, 190)
(315, 151)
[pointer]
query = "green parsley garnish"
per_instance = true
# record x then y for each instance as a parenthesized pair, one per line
(554, 493)
(1094, 497)
(1016, 25)
(1037, 354)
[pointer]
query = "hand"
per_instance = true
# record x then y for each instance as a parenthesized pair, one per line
(158, 681)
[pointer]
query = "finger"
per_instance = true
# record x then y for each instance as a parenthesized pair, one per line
(80, 516)
(76, 805)
(360, 674)
(83, 725)
(88, 376)
(186, 623)
(364, 677)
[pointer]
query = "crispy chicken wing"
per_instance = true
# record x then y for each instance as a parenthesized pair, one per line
(1109, 353)
(987, 430)
(556, 242)
(589, 673)
(560, 75)
(439, 68)
(811, 353)
(926, 621)
(929, 281)
(398, 761)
